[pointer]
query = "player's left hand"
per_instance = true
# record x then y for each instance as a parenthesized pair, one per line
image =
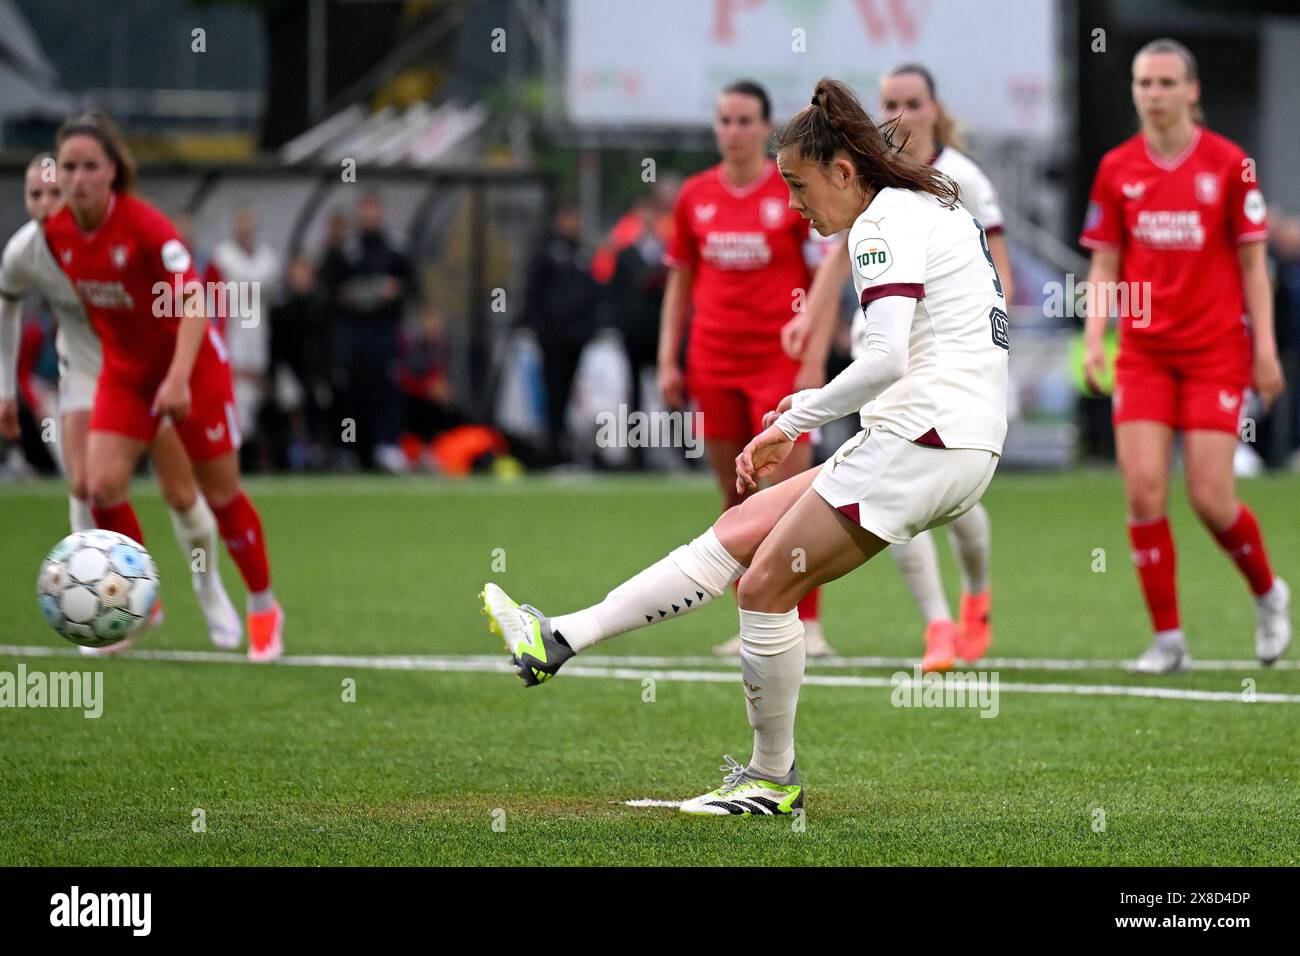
(173, 399)
(762, 456)
(1266, 376)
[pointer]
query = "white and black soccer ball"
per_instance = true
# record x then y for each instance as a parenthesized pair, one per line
(97, 587)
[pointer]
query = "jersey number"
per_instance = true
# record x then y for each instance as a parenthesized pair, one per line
(984, 244)
(1001, 328)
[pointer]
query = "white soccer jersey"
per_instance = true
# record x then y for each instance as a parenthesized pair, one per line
(248, 335)
(954, 392)
(977, 192)
(28, 266)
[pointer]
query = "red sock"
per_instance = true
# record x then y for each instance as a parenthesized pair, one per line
(1153, 556)
(241, 529)
(808, 606)
(1245, 546)
(120, 518)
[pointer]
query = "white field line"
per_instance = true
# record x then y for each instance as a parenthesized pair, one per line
(496, 664)
(653, 803)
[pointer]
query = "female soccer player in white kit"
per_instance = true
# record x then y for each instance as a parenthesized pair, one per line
(931, 386)
(908, 102)
(28, 266)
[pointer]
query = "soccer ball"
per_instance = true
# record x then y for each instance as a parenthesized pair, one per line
(97, 587)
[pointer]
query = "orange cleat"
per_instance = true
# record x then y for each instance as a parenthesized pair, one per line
(940, 647)
(265, 630)
(975, 633)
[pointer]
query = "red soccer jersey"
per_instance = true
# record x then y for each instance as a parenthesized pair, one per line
(1177, 224)
(115, 270)
(746, 249)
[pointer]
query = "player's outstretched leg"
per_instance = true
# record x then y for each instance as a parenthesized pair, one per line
(688, 578)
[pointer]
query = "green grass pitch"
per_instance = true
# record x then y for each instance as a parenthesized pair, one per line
(443, 767)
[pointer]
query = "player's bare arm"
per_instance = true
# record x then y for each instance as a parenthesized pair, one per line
(672, 327)
(1266, 371)
(1104, 270)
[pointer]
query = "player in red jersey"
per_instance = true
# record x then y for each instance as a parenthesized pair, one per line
(161, 357)
(738, 269)
(1177, 228)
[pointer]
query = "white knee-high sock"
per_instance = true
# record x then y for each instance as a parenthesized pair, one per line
(918, 562)
(971, 539)
(771, 666)
(196, 530)
(685, 580)
(79, 516)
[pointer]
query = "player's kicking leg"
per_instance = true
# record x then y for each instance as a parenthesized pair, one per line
(684, 581)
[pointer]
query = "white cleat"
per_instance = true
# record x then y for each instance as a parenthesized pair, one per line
(745, 792)
(1273, 614)
(225, 628)
(1167, 657)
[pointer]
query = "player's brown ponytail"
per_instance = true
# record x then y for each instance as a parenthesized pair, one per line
(102, 129)
(837, 123)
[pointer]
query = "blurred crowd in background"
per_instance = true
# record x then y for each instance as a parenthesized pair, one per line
(345, 364)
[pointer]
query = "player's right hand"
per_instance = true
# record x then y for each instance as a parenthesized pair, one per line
(794, 334)
(9, 419)
(1094, 366)
(672, 385)
(173, 399)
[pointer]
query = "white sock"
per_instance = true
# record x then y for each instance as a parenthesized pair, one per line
(771, 666)
(971, 539)
(1170, 638)
(79, 514)
(918, 562)
(259, 601)
(196, 530)
(687, 579)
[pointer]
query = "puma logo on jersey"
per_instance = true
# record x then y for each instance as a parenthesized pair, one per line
(704, 211)
(118, 255)
(66, 256)
(214, 434)
(1133, 190)
(1227, 401)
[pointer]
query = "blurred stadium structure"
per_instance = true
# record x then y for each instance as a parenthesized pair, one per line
(473, 120)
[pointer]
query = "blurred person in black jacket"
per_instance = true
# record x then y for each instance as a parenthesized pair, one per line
(635, 296)
(560, 307)
(371, 280)
(300, 368)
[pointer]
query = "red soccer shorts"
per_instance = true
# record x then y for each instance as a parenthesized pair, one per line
(732, 409)
(209, 432)
(1198, 389)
